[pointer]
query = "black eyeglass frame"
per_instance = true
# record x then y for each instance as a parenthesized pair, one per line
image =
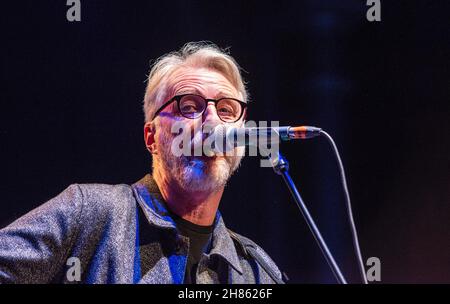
(178, 98)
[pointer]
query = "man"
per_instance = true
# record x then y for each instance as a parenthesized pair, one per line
(165, 228)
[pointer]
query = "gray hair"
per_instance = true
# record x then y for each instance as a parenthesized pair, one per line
(193, 54)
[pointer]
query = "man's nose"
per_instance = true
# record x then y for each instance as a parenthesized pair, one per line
(210, 114)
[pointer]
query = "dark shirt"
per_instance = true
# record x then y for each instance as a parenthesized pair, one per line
(199, 243)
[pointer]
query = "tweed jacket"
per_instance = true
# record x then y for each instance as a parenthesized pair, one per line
(99, 233)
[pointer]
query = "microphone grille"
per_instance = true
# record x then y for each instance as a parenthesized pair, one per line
(220, 132)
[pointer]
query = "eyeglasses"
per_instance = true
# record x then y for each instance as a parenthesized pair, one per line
(192, 106)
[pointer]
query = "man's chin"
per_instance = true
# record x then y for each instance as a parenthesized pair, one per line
(205, 173)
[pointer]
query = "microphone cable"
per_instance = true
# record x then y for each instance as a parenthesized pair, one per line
(348, 205)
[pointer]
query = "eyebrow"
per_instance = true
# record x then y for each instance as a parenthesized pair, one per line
(197, 92)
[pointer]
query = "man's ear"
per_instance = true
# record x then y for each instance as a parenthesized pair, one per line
(149, 137)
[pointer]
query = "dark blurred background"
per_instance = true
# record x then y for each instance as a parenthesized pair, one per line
(71, 113)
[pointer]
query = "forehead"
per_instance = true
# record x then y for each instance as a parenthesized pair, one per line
(203, 81)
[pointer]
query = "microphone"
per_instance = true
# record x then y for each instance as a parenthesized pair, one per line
(226, 138)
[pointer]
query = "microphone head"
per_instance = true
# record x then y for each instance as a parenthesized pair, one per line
(220, 132)
(220, 143)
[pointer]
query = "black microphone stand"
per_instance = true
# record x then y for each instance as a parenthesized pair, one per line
(281, 167)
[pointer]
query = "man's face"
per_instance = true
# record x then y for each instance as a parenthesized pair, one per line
(195, 173)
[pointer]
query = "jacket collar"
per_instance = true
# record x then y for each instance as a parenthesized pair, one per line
(155, 209)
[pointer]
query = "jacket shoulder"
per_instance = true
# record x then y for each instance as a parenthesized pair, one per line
(252, 250)
(105, 200)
